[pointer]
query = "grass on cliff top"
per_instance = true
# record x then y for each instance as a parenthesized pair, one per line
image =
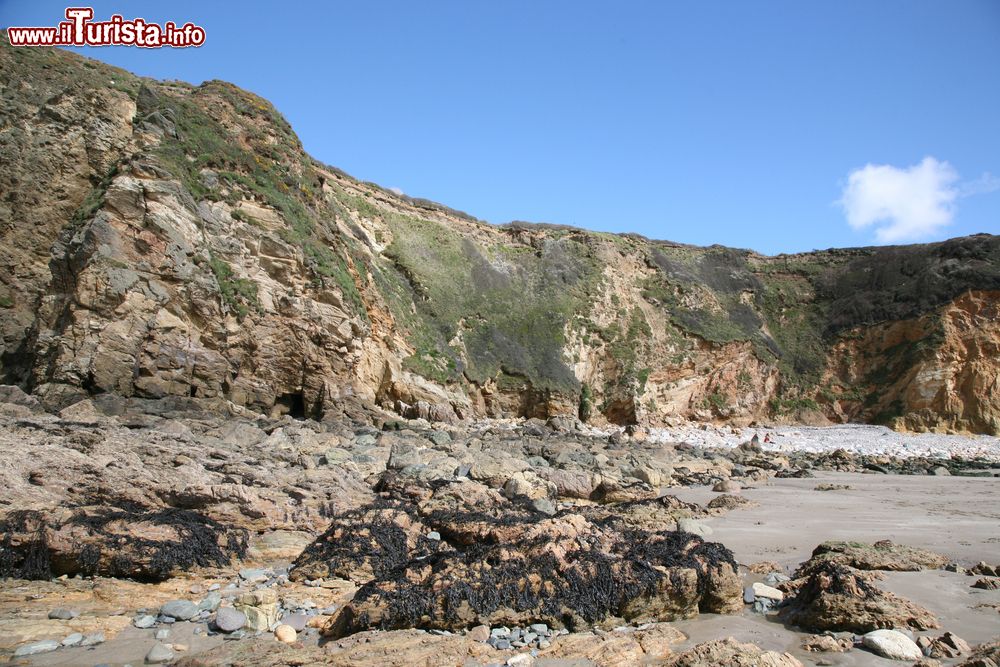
(56, 70)
(715, 294)
(277, 174)
(901, 282)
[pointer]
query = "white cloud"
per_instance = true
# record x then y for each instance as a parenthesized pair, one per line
(398, 191)
(983, 185)
(903, 204)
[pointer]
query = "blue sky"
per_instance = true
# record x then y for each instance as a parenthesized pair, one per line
(777, 126)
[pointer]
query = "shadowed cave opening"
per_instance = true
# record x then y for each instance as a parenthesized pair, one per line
(293, 405)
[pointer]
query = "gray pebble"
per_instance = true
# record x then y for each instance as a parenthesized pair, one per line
(228, 619)
(180, 610)
(63, 614)
(543, 505)
(72, 640)
(159, 654)
(254, 574)
(210, 602)
(145, 621)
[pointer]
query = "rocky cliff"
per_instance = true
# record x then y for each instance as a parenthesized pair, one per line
(163, 239)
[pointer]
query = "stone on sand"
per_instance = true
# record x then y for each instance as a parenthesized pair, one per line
(181, 610)
(892, 644)
(285, 633)
(764, 591)
(228, 619)
(35, 648)
(159, 654)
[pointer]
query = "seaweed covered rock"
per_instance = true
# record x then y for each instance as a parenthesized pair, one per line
(882, 555)
(553, 581)
(132, 542)
(838, 598)
(727, 502)
(731, 653)
(507, 564)
(367, 543)
(613, 491)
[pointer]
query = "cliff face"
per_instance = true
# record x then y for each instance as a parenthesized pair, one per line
(163, 239)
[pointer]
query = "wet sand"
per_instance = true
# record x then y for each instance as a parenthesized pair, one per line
(130, 646)
(958, 517)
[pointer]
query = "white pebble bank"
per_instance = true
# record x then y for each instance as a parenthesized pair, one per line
(854, 438)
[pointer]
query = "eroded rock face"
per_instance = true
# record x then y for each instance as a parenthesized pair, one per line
(839, 598)
(161, 239)
(499, 563)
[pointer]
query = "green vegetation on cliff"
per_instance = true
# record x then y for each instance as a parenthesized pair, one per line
(510, 303)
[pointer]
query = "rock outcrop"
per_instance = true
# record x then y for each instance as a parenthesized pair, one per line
(728, 651)
(882, 555)
(839, 598)
(465, 556)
